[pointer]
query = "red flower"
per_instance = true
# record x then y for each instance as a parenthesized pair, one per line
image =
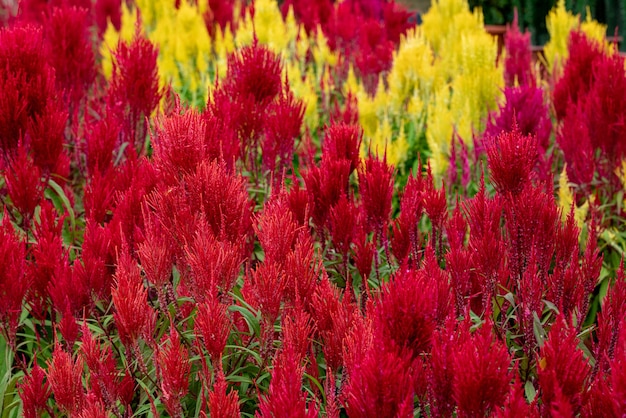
(254, 71)
(223, 200)
(512, 157)
(376, 189)
(173, 367)
(134, 87)
(13, 283)
(276, 230)
(93, 408)
(482, 377)
(266, 288)
(324, 185)
(343, 142)
(563, 370)
(178, 144)
(101, 140)
(213, 324)
(577, 73)
(405, 314)
(64, 376)
(133, 316)
(24, 184)
(34, 392)
(333, 319)
(343, 219)
(156, 254)
(286, 398)
(283, 124)
(380, 386)
(214, 265)
(222, 404)
(71, 51)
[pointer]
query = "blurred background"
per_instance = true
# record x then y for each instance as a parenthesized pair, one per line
(532, 13)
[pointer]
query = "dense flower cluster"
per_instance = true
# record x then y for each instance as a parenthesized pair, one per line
(224, 209)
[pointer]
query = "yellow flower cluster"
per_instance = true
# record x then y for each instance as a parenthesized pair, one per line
(444, 80)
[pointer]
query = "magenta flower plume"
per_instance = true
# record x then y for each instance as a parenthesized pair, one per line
(518, 62)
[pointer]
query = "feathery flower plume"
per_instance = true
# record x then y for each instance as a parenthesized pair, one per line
(482, 377)
(512, 157)
(221, 403)
(64, 375)
(563, 370)
(34, 392)
(133, 316)
(213, 325)
(173, 367)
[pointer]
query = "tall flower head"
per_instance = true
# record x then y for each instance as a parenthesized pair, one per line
(578, 72)
(173, 368)
(282, 128)
(482, 377)
(133, 316)
(222, 199)
(405, 313)
(71, 52)
(213, 325)
(381, 386)
(563, 370)
(214, 264)
(64, 375)
(286, 398)
(526, 107)
(518, 62)
(376, 188)
(13, 284)
(255, 72)
(512, 157)
(343, 141)
(221, 403)
(34, 392)
(24, 184)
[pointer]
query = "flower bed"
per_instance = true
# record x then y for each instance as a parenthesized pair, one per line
(311, 209)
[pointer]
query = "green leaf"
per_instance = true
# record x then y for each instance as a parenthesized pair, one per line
(60, 195)
(540, 333)
(530, 391)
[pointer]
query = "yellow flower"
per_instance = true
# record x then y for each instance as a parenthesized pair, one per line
(112, 37)
(439, 131)
(566, 200)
